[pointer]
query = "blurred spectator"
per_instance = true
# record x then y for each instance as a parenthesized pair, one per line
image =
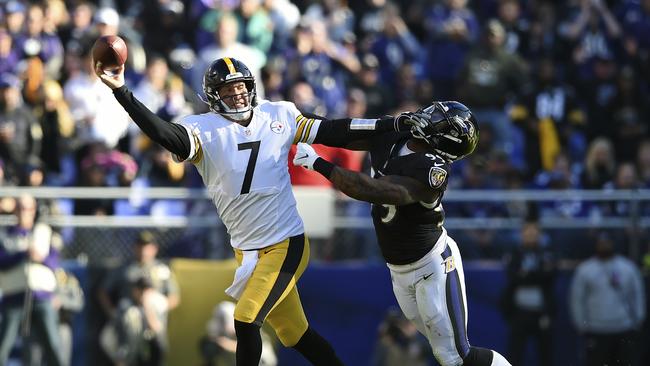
(219, 344)
(338, 17)
(643, 163)
(302, 95)
(9, 56)
(168, 19)
(543, 40)
(599, 93)
(160, 169)
(593, 30)
(528, 299)
(600, 165)
(133, 334)
(372, 17)
(323, 64)
(630, 114)
(225, 44)
(256, 26)
(394, 47)
(285, 16)
(102, 167)
(146, 287)
(15, 17)
(58, 134)
(68, 300)
(28, 258)
(607, 302)
(74, 34)
(37, 41)
(490, 78)
(399, 343)
(551, 120)
(20, 133)
(515, 24)
(97, 115)
(150, 90)
(378, 97)
(452, 29)
(626, 178)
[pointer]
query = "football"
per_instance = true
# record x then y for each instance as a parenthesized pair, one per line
(110, 51)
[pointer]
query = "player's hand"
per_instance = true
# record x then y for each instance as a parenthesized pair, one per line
(305, 156)
(406, 120)
(113, 78)
(420, 126)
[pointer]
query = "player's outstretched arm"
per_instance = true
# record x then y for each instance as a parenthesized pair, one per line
(355, 133)
(394, 190)
(171, 136)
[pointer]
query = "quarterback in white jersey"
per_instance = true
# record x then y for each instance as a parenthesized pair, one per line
(241, 150)
(245, 171)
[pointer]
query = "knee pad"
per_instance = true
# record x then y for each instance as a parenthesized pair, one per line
(478, 357)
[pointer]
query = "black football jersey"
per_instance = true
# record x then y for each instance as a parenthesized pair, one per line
(406, 233)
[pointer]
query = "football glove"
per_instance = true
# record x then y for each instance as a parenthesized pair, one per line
(305, 156)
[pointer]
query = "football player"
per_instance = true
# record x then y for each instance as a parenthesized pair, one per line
(410, 174)
(241, 148)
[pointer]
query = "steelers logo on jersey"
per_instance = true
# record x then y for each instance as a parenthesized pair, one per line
(277, 127)
(437, 177)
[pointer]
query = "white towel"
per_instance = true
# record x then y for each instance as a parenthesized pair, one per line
(242, 274)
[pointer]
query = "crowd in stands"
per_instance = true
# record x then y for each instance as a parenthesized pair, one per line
(560, 88)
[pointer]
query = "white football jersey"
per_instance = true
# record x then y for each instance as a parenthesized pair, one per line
(245, 170)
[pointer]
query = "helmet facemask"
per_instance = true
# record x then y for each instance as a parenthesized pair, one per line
(218, 103)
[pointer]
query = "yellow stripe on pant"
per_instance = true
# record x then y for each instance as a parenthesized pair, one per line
(271, 293)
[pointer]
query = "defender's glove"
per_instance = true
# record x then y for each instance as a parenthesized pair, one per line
(305, 156)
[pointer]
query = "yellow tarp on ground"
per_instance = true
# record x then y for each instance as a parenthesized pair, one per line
(202, 284)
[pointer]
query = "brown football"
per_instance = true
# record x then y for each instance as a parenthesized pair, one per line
(110, 51)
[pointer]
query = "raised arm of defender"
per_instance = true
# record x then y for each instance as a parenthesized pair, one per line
(391, 189)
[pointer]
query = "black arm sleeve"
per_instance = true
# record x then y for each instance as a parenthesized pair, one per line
(337, 132)
(171, 136)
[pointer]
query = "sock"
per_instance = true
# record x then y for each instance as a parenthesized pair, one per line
(249, 344)
(316, 349)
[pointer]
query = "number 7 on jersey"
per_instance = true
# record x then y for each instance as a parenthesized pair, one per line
(254, 146)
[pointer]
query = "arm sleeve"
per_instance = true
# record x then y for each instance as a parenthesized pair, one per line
(171, 136)
(341, 132)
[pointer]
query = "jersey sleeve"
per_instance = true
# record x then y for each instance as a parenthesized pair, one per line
(431, 170)
(304, 128)
(196, 150)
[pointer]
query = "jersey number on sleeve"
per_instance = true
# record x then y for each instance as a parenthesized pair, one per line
(254, 146)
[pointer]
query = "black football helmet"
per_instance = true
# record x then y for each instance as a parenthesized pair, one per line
(451, 129)
(224, 71)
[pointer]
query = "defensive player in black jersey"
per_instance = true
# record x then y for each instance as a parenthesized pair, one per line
(411, 170)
